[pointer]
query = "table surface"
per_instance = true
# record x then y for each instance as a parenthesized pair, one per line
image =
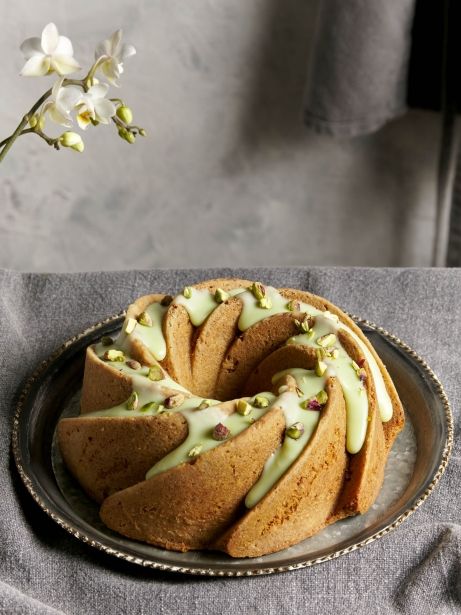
(416, 569)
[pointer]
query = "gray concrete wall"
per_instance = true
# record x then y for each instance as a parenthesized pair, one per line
(228, 174)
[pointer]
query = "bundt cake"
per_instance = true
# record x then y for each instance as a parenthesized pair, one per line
(235, 417)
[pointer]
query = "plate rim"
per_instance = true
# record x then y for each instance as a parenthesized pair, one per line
(28, 481)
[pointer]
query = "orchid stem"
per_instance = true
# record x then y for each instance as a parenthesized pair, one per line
(21, 129)
(7, 143)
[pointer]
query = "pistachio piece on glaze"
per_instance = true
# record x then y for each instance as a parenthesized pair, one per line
(187, 292)
(155, 373)
(133, 364)
(220, 295)
(145, 320)
(265, 303)
(106, 340)
(206, 403)
(243, 407)
(260, 401)
(130, 325)
(325, 341)
(320, 367)
(322, 397)
(114, 355)
(258, 290)
(221, 432)
(133, 401)
(174, 401)
(152, 405)
(195, 451)
(295, 431)
(293, 306)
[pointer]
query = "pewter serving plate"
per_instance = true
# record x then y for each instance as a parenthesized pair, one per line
(415, 465)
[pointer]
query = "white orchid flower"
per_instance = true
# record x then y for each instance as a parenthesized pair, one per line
(61, 102)
(94, 106)
(50, 53)
(116, 54)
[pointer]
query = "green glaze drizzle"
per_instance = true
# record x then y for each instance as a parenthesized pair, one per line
(290, 449)
(152, 337)
(251, 313)
(199, 306)
(353, 389)
(201, 424)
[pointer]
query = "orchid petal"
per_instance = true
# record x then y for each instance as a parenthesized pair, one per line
(64, 65)
(127, 51)
(50, 38)
(105, 109)
(83, 121)
(114, 42)
(69, 98)
(56, 87)
(102, 49)
(98, 91)
(31, 47)
(37, 66)
(60, 118)
(110, 70)
(64, 47)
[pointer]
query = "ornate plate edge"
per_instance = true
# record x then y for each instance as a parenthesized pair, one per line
(223, 572)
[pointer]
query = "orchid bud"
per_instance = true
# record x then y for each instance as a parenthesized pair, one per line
(72, 140)
(125, 114)
(33, 121)
(127, 135)
(142, 132)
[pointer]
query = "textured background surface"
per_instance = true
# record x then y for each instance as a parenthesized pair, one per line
(415, 570)
(228, 175)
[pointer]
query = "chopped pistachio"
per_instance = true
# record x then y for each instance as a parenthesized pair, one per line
(334, 354)
(130, 325)
(293, 306)
(322, 397)
(187, 292)
(106, 340)
(145, 320)
(206, 403)
(265, 303)
(133, 401)
(258, 290)
(295, 431)
(114, 355)
(155, 373)
(167, 299)
(320, 353)
(320, 368)
(355, 366)
(305, 325)
(326, 340)
(361, 362)
(195, 451)
(173, 401)
(243, 407)
(220, 295)
(260, 401)
(152, 405)
(162, 410)
(221, 432)
(299, 393)
(133, 364)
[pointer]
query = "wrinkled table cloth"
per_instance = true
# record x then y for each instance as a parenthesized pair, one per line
(415, 569)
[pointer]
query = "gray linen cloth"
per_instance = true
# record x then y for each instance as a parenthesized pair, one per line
(357, 79)
(414, 570)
